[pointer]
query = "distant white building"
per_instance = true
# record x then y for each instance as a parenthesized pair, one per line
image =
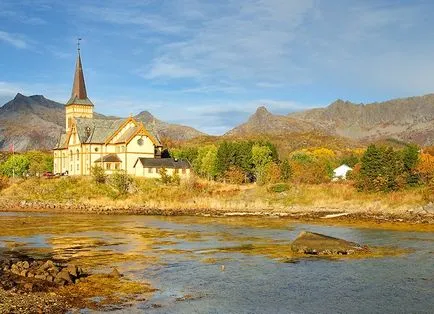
(341, 172)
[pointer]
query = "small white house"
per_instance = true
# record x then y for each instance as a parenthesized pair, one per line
(340, 173)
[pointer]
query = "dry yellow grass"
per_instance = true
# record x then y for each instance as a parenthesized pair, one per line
(201, 195)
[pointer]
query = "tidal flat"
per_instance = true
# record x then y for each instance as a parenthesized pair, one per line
(224, 265)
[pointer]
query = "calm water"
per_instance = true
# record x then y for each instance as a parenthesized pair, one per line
(182, 257)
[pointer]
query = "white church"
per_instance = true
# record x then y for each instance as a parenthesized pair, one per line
(122, 144)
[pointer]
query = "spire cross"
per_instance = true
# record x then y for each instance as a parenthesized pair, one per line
(78, 44)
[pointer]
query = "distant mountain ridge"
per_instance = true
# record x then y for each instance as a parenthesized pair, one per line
(407, 119)
(35, 122)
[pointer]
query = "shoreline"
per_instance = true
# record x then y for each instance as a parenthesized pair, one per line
(418, 219)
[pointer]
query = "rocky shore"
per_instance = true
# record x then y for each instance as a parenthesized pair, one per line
(30, 286)
(421, 215)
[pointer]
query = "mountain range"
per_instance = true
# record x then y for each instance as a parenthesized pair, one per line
(407, 119)
(35, 122)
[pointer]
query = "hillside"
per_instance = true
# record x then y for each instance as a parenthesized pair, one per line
(35, 122)
(264, 122)
(167, 130)
(408, 119)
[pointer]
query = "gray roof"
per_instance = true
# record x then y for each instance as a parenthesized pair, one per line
(96, 130)
(128, 134)
(109, 158)
(61, 141)
(168, 163)
(77, 101)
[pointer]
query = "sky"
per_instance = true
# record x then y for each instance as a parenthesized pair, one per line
(209, 64)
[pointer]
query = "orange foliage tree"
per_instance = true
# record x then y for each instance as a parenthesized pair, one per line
(425, 167)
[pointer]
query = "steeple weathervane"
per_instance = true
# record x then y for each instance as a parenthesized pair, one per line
(78, 44)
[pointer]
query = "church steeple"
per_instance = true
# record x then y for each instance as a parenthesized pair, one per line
(79, 87)
(79, 105)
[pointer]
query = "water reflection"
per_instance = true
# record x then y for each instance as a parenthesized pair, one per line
(183, 258)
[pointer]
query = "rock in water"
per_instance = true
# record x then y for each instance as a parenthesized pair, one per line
(318, 244)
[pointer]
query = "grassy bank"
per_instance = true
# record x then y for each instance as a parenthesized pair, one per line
(201, 194)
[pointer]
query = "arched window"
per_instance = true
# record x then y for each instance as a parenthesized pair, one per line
(78, 155)
(71, 155)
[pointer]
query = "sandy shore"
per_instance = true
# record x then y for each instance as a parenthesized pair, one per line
(403, 217)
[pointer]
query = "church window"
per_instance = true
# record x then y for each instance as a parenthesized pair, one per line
(140, 141)
(71, 155)
(96, 149)
(78, 167)
(78, 155)
(108, 166)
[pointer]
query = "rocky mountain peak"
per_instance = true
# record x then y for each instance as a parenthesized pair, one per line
(145, 116)
(261, 113)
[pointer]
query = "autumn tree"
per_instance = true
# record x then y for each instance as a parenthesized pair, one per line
(425, 168)
(261, 156)
(15, 165)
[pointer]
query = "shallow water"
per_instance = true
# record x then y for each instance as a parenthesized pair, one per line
(183, 258)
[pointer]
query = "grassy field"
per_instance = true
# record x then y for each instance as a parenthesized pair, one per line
(202, 194)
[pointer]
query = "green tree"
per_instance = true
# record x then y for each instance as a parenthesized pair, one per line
(98, 174)
(186, 153)
(15, 165)
(225, 158)
(261, 156)
(410, 159)
(39, 162)
(121, 181)
(285, 170)
(381, 170)
(209, 162)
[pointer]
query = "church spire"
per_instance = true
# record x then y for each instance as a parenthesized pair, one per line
(79, 87)
(79, 94)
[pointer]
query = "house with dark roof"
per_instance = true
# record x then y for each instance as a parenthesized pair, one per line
(113, 144)
(151, 167)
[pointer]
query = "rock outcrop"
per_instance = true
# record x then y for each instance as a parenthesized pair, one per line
(311, 243)
(38, 275)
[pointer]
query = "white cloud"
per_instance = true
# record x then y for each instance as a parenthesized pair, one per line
(14, 40)
(164, 69)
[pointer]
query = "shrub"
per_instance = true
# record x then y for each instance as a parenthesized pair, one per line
(165, 178)
(285, 171)
(99, 175)
(121, 181)
(235, 175)
(4, 182)
(15, 165)
(272, 173)
(279, 188)
(176, 179)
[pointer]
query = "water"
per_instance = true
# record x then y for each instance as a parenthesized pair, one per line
(183, 258)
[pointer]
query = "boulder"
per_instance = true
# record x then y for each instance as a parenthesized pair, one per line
(72, 270)
(312, 243)
(115, 273)
(64, 275)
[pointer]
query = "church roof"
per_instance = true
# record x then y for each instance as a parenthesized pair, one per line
(79, 94)
(96, 130)
(169, 163)
(61, 141)
(109, 158)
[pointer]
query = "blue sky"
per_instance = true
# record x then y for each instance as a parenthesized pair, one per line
(210, 64)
